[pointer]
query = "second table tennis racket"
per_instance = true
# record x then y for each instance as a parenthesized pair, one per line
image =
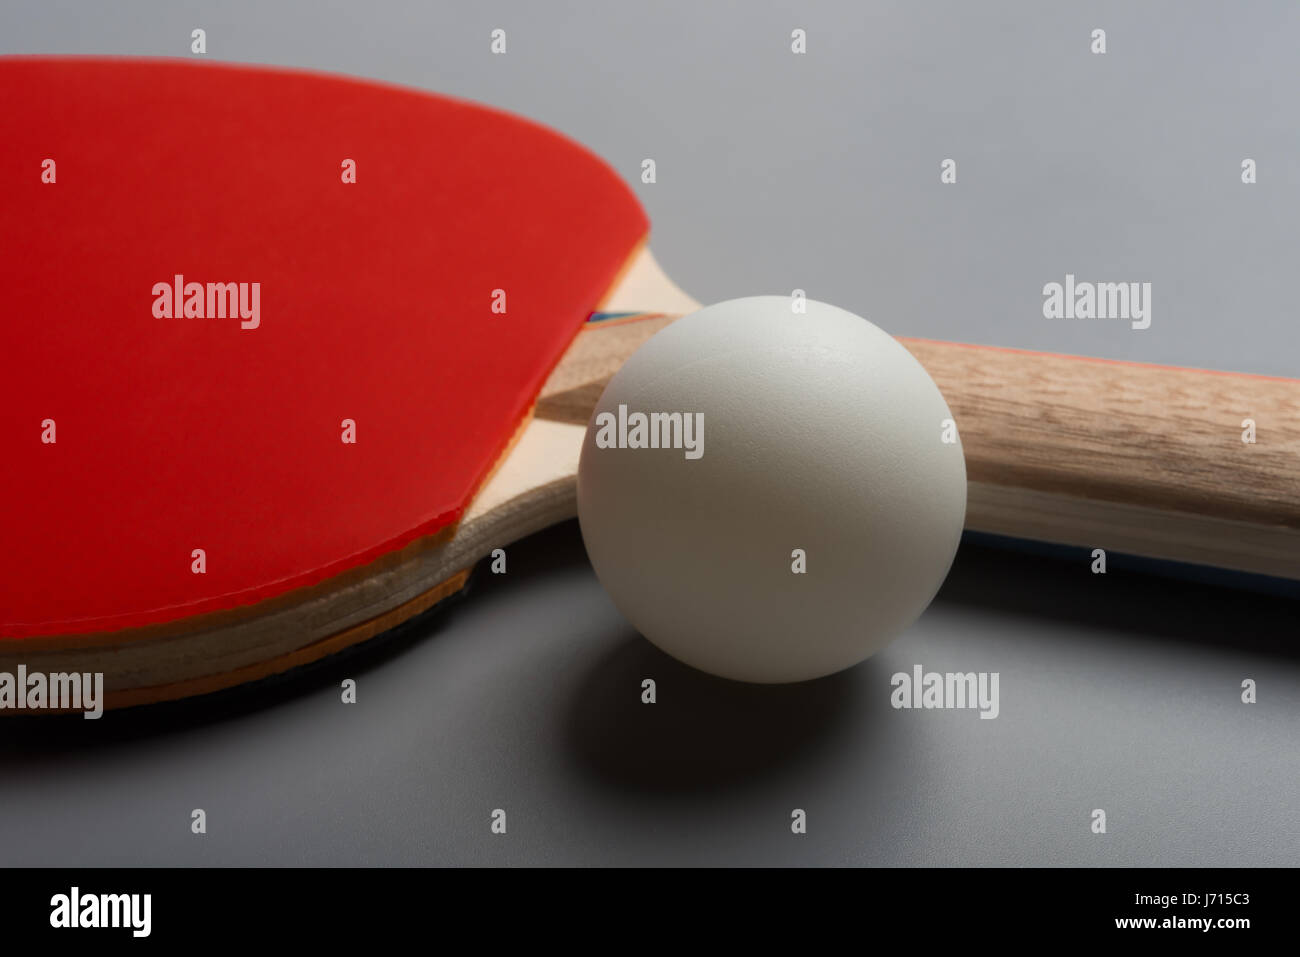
(206, 487)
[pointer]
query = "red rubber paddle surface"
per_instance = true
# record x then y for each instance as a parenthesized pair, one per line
(176, 434)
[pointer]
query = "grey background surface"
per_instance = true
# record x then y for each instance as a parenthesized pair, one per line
(779, 171)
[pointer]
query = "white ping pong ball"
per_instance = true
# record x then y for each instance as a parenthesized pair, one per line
(809, 521)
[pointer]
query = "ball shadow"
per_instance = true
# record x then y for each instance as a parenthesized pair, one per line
(702, 733)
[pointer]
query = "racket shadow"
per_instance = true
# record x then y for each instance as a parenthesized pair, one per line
(1161, 601)
(33, 739)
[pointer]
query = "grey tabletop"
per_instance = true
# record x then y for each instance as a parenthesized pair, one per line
(777, 171)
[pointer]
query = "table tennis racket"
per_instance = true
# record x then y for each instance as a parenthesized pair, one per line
(209, 486)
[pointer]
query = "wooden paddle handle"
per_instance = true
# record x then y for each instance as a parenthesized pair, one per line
(1141, 458)
(1137, 434)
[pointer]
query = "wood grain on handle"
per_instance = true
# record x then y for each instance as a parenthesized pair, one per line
(1139, 458)
(1124, 432)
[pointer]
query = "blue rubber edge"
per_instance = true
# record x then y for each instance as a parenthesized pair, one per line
(602, 316)
(1184, 571)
